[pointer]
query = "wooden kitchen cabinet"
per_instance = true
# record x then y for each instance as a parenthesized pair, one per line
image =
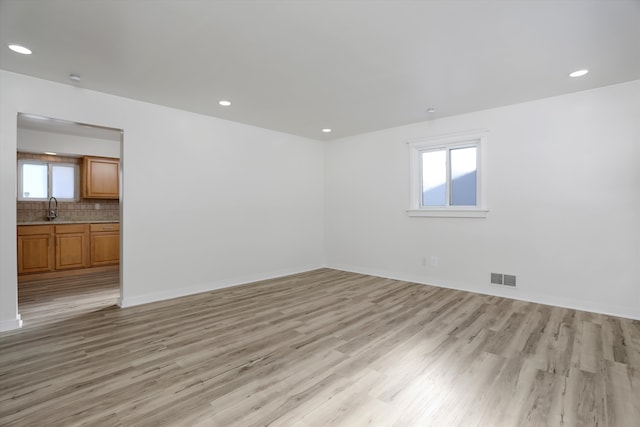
(105, 244)
(35, 249)
(72, 246)
(61, 247)
(100, 178)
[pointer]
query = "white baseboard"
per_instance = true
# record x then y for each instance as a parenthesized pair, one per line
(10, 324)
(631, 312)
(134, 300)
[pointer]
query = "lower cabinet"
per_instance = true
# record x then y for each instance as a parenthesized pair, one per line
(35, 249)
(44, 248)
(105, 244)
(72, 246)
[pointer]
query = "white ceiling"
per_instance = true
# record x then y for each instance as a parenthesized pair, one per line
(300, 66)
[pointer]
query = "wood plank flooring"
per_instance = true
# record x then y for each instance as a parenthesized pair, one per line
(53, 299)
(323, 348)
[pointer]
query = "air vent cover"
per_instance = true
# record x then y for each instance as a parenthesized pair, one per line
(496, 278)
(509, 280)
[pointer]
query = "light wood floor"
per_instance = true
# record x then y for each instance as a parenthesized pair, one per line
(52, 300)
(317, 349)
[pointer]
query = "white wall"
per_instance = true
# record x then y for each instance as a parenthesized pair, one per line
(209, 203)
(563, 188)
(33, 141)
(206, 202)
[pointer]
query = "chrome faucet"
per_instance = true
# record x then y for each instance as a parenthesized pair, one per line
(52, 213)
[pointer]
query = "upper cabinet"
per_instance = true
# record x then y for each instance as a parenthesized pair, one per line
(100, 178)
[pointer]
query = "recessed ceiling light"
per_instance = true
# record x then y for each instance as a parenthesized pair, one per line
(20, 49)
(326, 130)
(50, 153)
(579, 73)
(224, 103)
(431, 110)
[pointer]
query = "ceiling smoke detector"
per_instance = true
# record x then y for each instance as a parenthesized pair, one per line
(74, 78)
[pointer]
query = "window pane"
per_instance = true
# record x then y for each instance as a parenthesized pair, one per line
(63, 181)
(463, 176)
(434, 178)
(34, 181)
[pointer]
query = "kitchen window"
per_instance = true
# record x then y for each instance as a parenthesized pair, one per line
(446, 176)
(39, 180)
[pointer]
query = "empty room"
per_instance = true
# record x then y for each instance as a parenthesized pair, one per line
(320, 213)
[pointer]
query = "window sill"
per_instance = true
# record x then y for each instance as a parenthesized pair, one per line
(448, 213)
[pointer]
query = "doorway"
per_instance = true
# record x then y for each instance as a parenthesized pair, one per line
(68, 214)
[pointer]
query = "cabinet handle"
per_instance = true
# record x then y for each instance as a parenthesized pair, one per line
(107, 228)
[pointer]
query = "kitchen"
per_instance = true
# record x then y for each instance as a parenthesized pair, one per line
(68, 215)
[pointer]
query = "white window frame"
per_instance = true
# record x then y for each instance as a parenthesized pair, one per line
(447, 142)
(76, 180)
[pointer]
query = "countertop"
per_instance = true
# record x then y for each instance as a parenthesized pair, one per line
(63, 221)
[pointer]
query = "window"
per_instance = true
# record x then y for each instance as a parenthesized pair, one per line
(39, 180)
(446, 176)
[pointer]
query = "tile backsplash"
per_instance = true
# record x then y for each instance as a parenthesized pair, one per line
(83, 210)
(70, 211)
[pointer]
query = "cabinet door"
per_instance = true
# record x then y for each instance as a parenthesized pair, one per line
(105, 248)
(71, 251)
(100, 178)
(35, 253)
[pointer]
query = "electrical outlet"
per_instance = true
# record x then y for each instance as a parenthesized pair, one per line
(434, 260)
(96, 206)
(424, 261)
